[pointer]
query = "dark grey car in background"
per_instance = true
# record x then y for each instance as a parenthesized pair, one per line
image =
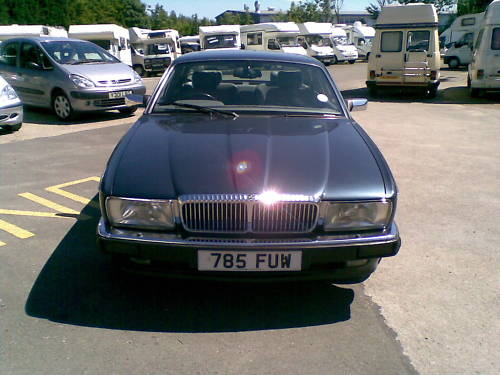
(68, 75)
(248, 166)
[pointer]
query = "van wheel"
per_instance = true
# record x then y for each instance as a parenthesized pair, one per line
(432, 93)
(139, 70)
(475, 93)
(62, 107)
(335, 60)
(372, 91)
(453, 63)
(352, 61)
(367, 56)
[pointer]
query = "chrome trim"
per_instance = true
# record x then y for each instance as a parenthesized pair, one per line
(171, 239)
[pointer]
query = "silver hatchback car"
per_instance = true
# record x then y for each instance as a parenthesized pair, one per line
(68, 75)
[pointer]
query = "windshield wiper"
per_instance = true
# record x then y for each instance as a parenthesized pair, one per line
(203, 109)
(309, 115)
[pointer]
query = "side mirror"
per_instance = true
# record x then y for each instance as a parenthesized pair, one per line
(138, 100)
(358, 104)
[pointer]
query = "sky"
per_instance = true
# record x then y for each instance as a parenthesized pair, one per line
(211, 8)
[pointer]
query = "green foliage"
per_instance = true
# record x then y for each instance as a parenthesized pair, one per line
(312, 11)
(471, 6)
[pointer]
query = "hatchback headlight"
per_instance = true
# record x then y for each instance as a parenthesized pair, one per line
(81, 81)
(141, 213)
(8, 93)
(357, 215)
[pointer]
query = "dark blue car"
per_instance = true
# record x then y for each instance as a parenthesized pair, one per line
(248, 166)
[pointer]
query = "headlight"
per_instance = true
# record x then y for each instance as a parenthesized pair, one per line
(357, 215)
(140, 213)
(8, 93)
(81, 81)
(137, 78)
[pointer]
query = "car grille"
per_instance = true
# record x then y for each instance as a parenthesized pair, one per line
(109, 102)
(242, 214)
(115, 82)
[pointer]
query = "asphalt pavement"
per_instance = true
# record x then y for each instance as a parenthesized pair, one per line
(432, 309)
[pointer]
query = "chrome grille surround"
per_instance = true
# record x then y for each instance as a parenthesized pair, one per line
(240, 213)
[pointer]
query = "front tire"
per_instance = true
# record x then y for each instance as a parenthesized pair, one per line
(432, 93)
(16, 127)
(454, 63)
(128, 110)
(475, 93)
(62, 107)
(335, 60)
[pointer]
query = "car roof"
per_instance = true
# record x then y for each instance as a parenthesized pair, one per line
(43, 39)
(214, 55)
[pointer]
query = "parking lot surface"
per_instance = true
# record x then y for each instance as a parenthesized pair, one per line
(432, 309)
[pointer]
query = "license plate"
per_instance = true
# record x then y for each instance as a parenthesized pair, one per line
(119, 94)
(270, 261)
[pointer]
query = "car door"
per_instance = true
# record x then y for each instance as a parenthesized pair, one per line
(388, 61)
(34, 74)
(416, 64)
(9, 53)
(492, 59)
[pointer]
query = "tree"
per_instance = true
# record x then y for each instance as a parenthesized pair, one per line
(471, 6)
(337, 6)
(374, 8)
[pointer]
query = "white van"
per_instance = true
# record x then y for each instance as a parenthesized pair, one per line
(315, 38)
(220, 37)
(344, 50)
(272, 36)
(362, 37)
(18, 31)
(484, 70)
(113, 38)
(405, 51)
(153, 50)
(461, 35)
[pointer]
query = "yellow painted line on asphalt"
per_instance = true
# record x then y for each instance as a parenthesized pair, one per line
(57, 189)
(15, 230)
(49, 204)
(2, 243)
(31, 213)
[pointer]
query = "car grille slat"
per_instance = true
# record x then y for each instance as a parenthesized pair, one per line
(243, 214)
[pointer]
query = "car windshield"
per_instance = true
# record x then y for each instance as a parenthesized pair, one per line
(287, 41)
(340, 40)
(319, 41)
(77, 52)
(256, 86)
(220, 41)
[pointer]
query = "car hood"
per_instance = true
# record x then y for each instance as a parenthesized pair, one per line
(164, 156)
(99, 72)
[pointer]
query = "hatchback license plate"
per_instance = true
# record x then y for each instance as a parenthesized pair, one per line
(270, 261)
(119, 94)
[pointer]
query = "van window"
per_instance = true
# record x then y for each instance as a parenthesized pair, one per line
(418, 41)
(468, 21)
(391, 41)
(254, 39)
(8, 53)
(495, 39)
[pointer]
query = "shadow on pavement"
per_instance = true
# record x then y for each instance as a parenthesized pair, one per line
(79, 286)
(449, 95)
(44, 116)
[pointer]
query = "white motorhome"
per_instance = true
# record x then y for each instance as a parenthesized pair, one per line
(362, 37)
(272, 36)
(462, 33)
(484, 70)
(344, 50)
(17, 31)
(113, 38)
(220, 37)
(190, 43)
(153, 50)
(405, 50)
(315, 39)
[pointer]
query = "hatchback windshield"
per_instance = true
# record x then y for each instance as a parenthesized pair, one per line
(250, 86)
(77, 52)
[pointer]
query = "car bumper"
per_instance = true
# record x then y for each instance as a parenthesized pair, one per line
(11, 115)
(489, 84)
(99, 100)
(339, 258)
(428, 84)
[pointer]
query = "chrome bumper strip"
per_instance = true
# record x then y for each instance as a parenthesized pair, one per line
(115, 234)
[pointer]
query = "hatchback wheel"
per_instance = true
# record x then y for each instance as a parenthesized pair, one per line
(62, 107)
(454, 63)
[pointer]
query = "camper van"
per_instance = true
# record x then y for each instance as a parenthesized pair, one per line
(17, 31)
(405, 51)
(461, 35)
(190, 43)
(484, 70)
(220, 37)
(316, 40)
(344, 50)
(272, 36)
(361, 36)
(153, 50)
(111, 37)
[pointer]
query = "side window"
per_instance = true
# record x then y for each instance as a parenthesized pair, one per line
(495, 39)
(272, 44)
(8, 54)
(30, 56)
(418, 41)
(467, 38)
(254, 39)
(391, 41)
(468, 21)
